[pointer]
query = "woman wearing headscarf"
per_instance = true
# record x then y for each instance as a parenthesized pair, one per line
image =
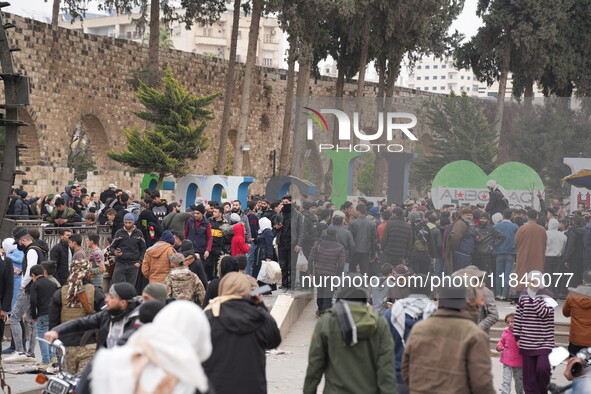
(264, 246)
(241, 330)
(164, 356)
(239, 245)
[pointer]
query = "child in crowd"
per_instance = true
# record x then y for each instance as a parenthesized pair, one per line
(41, 291)
(49, 268)
(183, 284)
(510, 357)
(97, 261)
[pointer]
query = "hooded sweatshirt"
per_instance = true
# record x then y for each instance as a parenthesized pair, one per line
(239, 245)
(365, 367)
(556, 240)
(156, 266)
(243, 330)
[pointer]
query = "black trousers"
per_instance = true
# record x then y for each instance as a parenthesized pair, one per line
(551, 267)
(211, 264)
(285, 256)
(361, 259)
(420, 262)
(324, 295)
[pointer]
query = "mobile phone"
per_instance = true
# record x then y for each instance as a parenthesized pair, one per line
(260, 290)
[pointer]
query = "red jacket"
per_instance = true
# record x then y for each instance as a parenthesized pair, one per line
(239, 245)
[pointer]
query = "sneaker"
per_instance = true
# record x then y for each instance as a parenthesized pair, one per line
(9, 350)
(17, 358)
(42, 366)
(53, 360)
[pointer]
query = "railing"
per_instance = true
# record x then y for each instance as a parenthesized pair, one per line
(51, 234)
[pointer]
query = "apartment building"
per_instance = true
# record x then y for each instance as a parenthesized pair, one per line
(212, 40)
(440, 76)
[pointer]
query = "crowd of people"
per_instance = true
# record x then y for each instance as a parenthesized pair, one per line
(112, 289)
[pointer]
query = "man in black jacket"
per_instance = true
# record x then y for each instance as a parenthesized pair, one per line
(6, 289)
(288, 227)
(497, 202)
(487, 238)
(62, 255)
(129, 247)
(34, 254)
(573, 255)
(396, 239)
(121, 313)
(42, 290)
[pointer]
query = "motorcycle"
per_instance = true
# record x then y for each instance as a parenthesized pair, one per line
(576, 371)
(62, 382)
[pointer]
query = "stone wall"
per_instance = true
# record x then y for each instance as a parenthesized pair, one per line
(77, 76)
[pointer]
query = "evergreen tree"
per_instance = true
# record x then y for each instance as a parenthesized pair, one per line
(545, 136)
(179, 118)
(460, 131)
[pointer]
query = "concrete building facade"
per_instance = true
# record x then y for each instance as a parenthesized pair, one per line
(204, 39)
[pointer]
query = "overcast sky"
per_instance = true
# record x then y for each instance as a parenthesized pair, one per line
(467, 23)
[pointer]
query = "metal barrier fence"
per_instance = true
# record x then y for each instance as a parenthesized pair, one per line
(51, 234)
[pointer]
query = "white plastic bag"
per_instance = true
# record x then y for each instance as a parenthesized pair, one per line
(270, 272)
(302, 263)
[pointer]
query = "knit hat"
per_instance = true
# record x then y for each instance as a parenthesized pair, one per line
(18, 233)
(112, 186)
(234, 218)
(484, 215)
(167, 237)
(149, 310)
(124, 291)
(200, 208)
(129, 217)
(491, 183)
(414, 216)
(156, 290)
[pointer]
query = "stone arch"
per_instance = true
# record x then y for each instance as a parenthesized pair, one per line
(99, 141)
(29, 136)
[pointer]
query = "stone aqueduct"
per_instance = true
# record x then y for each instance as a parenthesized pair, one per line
(80, 77)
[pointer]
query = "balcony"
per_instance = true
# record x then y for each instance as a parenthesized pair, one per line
(214, 41)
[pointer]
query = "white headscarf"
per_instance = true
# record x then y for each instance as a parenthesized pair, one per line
(8, 246)
(264, 223)
(497, 217)
(179, 341)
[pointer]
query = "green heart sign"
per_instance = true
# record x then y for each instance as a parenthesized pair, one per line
(463, 181)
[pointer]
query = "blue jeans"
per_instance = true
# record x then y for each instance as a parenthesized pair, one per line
(21, 308)
(439, 264)
(42, 328)
(505, 263)
(250, 258)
